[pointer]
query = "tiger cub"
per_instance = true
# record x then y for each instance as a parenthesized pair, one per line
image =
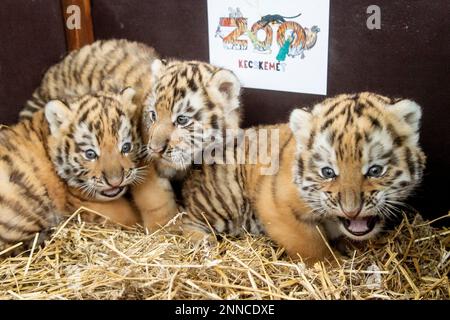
(65, 156)
(343, 167)
(190, 101)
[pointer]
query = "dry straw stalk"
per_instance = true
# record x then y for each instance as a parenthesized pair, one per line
(91, 261)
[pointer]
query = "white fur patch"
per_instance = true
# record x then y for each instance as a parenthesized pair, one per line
(124, 132)
(381, 143)
(195, 100)
(92, 142)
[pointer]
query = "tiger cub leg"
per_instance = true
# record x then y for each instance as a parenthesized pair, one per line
(155, 200)
(299, 238)
(119, 211)
(30, 226)
(196, 225)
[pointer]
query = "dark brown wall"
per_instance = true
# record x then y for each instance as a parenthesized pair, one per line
(31, 39)
(408, 57)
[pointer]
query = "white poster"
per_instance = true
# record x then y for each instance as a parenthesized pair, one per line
(272, 44)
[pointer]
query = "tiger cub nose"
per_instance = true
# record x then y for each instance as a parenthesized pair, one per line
(352, 213)
(159, 148)
(115, 181)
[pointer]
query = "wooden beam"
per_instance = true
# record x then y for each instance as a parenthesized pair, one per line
(77, 23)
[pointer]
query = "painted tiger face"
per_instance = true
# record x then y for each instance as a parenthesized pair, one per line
(191, 102)
(94, 144)
(358, 159)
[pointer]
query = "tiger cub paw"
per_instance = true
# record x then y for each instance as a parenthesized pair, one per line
(35, 241)
(199, 237)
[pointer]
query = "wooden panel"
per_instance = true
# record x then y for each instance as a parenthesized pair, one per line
(77, 23)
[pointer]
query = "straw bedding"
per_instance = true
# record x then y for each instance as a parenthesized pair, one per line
(89, 261)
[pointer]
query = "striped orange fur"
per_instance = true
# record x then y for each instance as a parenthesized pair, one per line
(105, 65)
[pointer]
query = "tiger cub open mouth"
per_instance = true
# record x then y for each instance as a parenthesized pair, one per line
(113, 192)
(360, 226)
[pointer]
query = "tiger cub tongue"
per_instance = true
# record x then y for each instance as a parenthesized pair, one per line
(112, 192)
(358, 225)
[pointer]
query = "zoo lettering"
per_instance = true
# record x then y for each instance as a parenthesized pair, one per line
(261, 65)
(302, 38)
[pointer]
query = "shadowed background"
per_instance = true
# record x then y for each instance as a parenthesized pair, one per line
(409, 57)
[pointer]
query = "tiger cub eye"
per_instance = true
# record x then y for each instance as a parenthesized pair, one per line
(328, 173)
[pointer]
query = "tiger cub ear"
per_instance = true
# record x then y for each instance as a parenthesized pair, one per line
(410, 113)
(300, 122)
(224, 88)
(57, 114)
(126, 97)
(157, 68)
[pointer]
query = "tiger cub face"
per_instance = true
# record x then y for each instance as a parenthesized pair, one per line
(358, 158)
(190, 102)
(93, 143)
